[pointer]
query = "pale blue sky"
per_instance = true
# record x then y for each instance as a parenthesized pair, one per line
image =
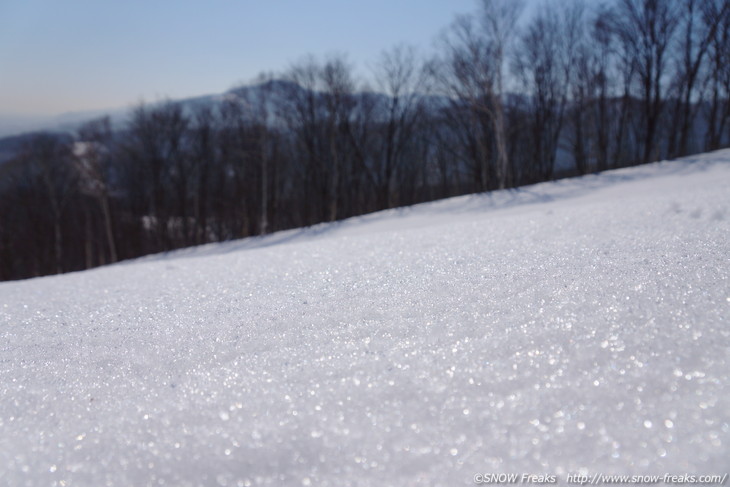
(58, 56)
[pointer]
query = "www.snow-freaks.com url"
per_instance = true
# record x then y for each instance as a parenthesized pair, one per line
(601, 479)
(667, 478)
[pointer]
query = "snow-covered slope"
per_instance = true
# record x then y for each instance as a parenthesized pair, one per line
(581, 326)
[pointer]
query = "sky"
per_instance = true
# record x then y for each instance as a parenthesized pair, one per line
(77, 55)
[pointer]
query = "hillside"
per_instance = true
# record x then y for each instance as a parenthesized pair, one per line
(579, 326)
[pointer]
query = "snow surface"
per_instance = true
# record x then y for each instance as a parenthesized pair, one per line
(581, 326)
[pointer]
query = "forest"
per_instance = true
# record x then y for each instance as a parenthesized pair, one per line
(503, 101)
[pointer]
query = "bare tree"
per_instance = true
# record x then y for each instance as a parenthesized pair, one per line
(91, 154)
(159, 163)
(258, 104)
(203, 134)
(580, 112)
(590, 104)
(471, 74)
(465, 76)
(400, 79)
(545, 61)
(51, 159)
(718, 116)
(499, 18)
(318, 110)
(600, 81)
(302, 111)
(696, 34)
(645, 30)
(339, 87)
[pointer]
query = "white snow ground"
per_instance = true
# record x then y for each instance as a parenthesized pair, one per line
(581, 326)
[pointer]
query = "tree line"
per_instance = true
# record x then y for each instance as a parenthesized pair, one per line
(503, 102)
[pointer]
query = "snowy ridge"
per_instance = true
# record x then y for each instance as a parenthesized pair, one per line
(580, 326)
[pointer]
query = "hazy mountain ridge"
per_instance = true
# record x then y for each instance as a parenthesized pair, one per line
(15, 125)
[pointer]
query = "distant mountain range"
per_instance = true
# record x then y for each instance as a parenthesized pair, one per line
(15, 130)
(19, 124)
(13, 124)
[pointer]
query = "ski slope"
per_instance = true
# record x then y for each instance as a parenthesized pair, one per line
(574, 327)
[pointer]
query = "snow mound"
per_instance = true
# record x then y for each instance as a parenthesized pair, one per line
(575, 327)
